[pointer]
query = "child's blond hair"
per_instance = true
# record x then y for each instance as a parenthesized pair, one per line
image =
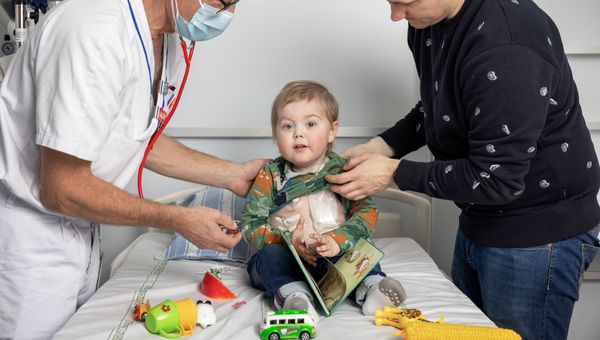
(308, 90)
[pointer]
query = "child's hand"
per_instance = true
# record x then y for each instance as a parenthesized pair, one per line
(298, 243)
(325, 245)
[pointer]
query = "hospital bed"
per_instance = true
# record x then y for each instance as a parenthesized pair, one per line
(136, 276)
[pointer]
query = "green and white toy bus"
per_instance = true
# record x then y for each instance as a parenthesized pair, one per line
(287, 324)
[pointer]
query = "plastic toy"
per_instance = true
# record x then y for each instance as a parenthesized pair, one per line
(414, 326)
(206, 314)
(288, 324)
(214, 288)
(170, 319)
(394, 315)
(422, 330)
(140, 311)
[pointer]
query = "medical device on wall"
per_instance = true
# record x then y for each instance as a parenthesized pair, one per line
(22, 21)
(18, 18)
(26, 15)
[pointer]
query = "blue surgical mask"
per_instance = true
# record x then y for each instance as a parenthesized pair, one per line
(205, 24)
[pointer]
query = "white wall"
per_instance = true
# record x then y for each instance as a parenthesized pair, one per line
(354, 49)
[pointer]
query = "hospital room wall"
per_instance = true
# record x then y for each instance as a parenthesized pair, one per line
(362, 57)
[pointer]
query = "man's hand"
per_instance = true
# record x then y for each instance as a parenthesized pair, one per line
(325, 245)
(70, 188)
(365, 175)
(242, 179)
(208, 228)
(298, 243)
(375, 146)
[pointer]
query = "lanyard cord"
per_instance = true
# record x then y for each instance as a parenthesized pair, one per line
(154, 138)
(143, 46)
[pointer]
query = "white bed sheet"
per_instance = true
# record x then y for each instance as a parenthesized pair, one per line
(109, 313)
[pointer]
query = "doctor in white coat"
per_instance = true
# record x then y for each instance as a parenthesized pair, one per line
(78, 107)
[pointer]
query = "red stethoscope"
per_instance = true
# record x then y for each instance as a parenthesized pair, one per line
(161, 115)
(164, 118)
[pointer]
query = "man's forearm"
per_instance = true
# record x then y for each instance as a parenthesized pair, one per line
(173, 159)
(102, 202)
(69, 188)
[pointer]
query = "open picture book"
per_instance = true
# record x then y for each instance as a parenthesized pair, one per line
(341, 277)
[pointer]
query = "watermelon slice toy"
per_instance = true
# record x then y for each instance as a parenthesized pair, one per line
(214, 288)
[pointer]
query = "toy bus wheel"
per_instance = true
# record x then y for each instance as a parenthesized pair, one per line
(304, 336)
(273, 336)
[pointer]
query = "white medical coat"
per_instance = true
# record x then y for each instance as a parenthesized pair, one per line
(80, 85)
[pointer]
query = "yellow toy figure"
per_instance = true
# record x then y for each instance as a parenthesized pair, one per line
(413, 326)
(140, 311)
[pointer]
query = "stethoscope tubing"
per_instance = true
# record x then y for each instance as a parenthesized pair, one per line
(163, 123)
(158, 132)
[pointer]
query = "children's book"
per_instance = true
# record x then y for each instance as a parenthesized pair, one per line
(341, 277)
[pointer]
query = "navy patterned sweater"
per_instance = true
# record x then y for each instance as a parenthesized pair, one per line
(500, 112)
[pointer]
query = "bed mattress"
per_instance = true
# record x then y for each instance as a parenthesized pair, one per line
(109, 313)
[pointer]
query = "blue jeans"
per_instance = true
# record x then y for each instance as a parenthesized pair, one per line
(274, 266)
(530, 290)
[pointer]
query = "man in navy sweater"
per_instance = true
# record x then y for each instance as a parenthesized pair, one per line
(500, 112)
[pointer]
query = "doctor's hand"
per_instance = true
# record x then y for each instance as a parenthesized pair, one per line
(208, 228)
(242, 179)
(365, 175)
(298, 243)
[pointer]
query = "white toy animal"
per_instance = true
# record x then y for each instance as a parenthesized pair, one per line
(206, 314)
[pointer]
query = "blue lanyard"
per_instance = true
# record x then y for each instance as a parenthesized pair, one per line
(143, 46)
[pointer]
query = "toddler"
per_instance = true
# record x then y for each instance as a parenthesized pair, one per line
(291, 194)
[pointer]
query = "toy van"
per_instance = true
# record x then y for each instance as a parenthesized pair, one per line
(287, 324)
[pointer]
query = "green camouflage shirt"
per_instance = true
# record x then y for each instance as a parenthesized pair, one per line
(265, 198)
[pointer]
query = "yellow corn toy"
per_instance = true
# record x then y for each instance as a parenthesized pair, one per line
(443, 331)
(414, 326)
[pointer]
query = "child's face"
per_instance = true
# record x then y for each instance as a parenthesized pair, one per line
(303, 133)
